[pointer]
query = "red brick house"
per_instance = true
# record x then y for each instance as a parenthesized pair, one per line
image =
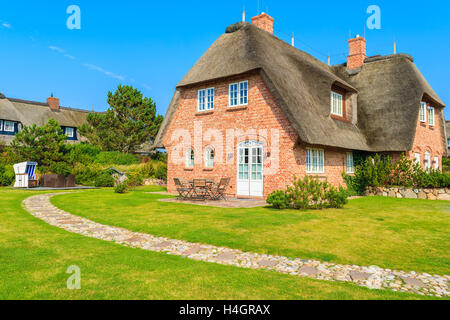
(259, 111)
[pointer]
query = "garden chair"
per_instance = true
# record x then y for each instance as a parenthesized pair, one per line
(200, 189)
(184, 191)
(218, 191)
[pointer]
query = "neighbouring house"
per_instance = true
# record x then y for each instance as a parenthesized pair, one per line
(256, 109)
(16, 113)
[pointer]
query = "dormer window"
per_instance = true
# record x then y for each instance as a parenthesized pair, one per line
(431, 116)
(205, 100)
(337, 104)
(423, 108)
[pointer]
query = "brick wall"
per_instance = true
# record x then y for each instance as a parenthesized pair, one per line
(264, 116)
(430, 138)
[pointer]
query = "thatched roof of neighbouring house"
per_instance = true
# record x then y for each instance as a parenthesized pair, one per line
(31, 112)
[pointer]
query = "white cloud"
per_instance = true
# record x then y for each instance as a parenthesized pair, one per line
(69, 56)
(108, 73)
(6, 25)
(57, 49)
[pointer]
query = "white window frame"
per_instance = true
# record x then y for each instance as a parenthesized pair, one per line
(431, 116)
(315, 160)
(10, 124)
(337, 104)
(72, 133)
(205, 99)
(1, 125)
(436, 163)
(423, 112)
(241, 94)
(209, 157)
(427, 160)
(417, 158)
(190, 158)
(448, 143)
(349, 162)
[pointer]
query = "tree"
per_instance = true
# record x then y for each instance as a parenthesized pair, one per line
(44, 145)
(130, 121)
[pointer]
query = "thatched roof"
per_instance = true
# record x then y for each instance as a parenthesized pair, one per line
(390, 89)
(301, 84)
(30, 112)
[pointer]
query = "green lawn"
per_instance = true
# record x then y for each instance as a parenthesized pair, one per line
(401, 234)
(34, 257)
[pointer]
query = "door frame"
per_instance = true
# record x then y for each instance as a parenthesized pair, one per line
(250, 144)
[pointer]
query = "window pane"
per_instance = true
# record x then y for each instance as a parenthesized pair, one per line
(8, 126)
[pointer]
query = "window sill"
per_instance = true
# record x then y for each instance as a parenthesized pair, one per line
(204, 113)
(188, 169)
(339, 118)
(208, 169)
(237, 108)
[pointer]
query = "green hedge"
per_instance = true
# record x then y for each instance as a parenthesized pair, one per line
(115, 157)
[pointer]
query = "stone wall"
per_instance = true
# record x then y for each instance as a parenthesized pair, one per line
(408, 193)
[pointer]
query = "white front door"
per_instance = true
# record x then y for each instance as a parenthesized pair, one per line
(250, 169)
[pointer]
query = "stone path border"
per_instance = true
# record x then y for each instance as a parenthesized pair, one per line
(372, 277)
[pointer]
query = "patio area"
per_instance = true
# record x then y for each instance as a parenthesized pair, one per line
(228, 203)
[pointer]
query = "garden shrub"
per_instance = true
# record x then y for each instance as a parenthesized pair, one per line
(135, 179)
(6, 175)
(121, 187)
(278, 200)
(308, 193)
(104, 180)
(115, 157)
(381, 171)
(161, 171)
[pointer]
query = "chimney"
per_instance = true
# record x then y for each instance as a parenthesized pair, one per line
(356, 53)
(264, 22)
(53, 103)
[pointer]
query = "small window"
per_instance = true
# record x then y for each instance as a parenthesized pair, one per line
(431, 116)
(349, 162)
(238, 94)
(314, 161)
(337, 104)
(205, 99)
(436, 163)
(427, 161)
(8, 126)
(417, 158)
(190, 158)
(70, 132)
(209, 157)
(423, 109)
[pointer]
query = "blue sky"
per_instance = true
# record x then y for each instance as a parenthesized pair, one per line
(152, 44)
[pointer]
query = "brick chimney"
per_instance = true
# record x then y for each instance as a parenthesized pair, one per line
(53, 103)
(356, 53)
(264, 21)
